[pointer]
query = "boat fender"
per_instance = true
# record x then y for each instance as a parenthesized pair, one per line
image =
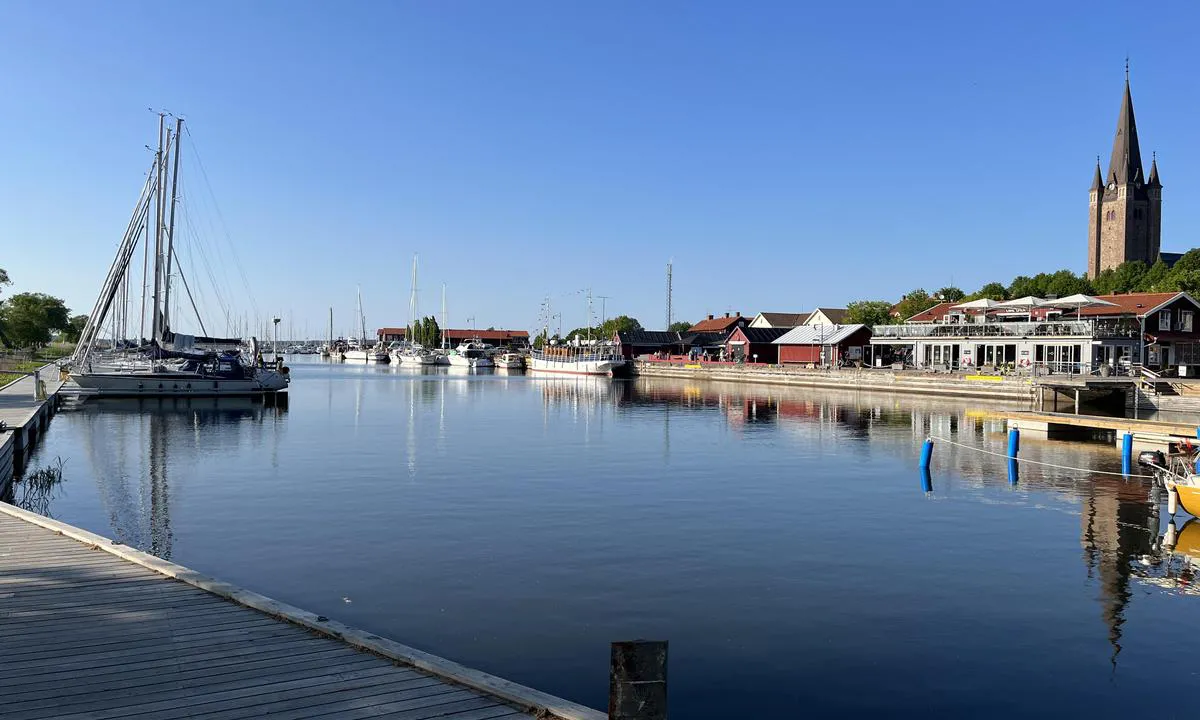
(1152, 458)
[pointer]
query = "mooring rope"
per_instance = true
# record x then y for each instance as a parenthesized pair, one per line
(1036, 462)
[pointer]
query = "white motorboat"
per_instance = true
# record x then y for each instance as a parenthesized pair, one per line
(171, 363)
(473, 354)
(509, 361)
(417, 356)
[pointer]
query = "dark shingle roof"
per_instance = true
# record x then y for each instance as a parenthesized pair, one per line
(785, 320)
(764, 335)
(657, 338)
(837, 316)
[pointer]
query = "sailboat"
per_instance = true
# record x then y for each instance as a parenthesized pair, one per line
(169, 363)
(361, 351)
(327, 349)
(412, 353)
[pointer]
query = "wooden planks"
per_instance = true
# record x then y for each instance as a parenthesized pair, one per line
(86, 633)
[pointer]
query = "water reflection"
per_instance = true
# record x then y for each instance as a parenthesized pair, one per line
(133, 446)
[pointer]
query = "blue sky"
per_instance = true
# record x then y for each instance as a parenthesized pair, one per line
(784, 155)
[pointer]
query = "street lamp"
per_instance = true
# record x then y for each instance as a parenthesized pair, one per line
(276, 345)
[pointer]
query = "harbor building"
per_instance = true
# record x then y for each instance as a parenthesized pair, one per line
(1158, 330)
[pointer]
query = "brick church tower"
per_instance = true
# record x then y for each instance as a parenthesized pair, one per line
(1125, 221)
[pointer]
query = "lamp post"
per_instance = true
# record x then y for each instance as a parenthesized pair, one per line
(275, 347)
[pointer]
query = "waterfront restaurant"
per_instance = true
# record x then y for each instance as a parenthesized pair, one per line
(1070, 335)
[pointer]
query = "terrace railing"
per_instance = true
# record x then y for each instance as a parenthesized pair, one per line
(1116, 328)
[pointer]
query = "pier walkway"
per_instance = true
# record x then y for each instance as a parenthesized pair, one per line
(24, 413)
(1159, 434)
(94, 629)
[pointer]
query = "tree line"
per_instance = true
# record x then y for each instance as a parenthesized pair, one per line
(30, 319)
(1136, 276)
(425, 332)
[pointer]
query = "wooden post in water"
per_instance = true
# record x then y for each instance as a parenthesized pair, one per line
(638, 681)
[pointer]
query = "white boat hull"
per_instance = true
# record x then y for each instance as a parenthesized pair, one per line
(416, 360)
(365, 356)
(460, 361)
(169, 384)
(569, 366)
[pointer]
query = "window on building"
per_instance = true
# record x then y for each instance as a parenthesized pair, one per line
(1164, 320)
(1185, 320)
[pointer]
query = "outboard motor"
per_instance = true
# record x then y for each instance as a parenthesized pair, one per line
(1152, 458)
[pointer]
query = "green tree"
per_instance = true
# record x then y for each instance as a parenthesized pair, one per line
(914, 302)
(433, 332)
(29, 318)
(1126, 277)
(4, 278)
(992, 291)
(620, 323)
(75, 328)
(1023, 285)
(1153, 279)
(870, 312)
(679, 326)
(1065, 282)
(950, 294)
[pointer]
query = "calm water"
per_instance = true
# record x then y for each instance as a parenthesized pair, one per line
(778, 538)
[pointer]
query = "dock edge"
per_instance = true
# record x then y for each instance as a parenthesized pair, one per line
(536, 701)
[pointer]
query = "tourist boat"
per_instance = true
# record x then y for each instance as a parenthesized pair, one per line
(577, 359)
(474, 354)
(170, 363)
(509, 361)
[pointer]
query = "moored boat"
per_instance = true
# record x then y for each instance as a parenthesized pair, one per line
(509, 361)
(473, 354)
(601, 359)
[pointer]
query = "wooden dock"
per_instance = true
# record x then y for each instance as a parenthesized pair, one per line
(94, 629)
(1146, 433)
(24, 413)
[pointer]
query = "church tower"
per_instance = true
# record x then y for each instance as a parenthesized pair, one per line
(1125, 206)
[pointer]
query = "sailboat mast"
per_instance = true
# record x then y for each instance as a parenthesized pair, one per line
(145, 277)
(156, 319)
(171, 225)
(331, 326)
(362, 320)
(412, 302)
(443, 315)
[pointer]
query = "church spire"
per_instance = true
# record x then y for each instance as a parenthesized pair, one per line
(1126, 163)
(1098, 181)
(1154, 181)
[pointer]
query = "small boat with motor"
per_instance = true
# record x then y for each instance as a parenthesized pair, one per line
(472, 354)
(509, 361)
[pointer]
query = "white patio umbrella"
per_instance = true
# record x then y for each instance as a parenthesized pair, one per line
(980, 304)
(1079, 301)
(1027, 303)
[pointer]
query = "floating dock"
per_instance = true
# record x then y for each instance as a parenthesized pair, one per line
(93, 629)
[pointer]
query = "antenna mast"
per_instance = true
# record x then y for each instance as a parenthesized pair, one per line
(670, 319)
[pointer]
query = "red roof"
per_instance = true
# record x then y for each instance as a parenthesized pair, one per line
(465, 334)
(1137, 304)
(933, 314)
(717, 324)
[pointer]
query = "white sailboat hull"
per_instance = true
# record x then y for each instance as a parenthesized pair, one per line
(365, 356)
(171, 384)
(415, 360)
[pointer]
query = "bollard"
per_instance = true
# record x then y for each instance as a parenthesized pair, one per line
(1014, 442)
(1127, 454)
(1172, 501)
(926, 481)
(638, 681)
(1014, 473)
(926, 453)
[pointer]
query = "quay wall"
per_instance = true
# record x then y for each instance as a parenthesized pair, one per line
(873, 380)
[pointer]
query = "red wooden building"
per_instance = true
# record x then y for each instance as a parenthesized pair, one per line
(751, 344)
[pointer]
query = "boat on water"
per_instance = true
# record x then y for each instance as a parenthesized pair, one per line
(359, 350)
(170, 363)
(1177, 473)
(472, 354)
(509, 361)
(416, 355)
(576, 359)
